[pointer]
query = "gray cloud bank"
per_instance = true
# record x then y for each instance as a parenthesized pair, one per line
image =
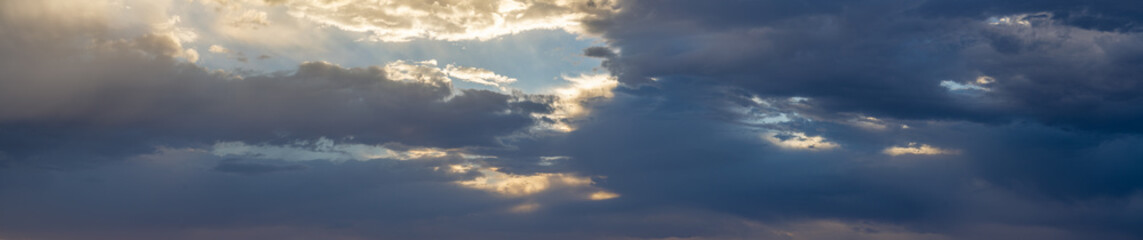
(115, 98)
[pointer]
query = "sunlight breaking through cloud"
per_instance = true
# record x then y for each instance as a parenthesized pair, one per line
(799, 141)
(450, 20)
(918, 149)
(513, 185)
(572, 100)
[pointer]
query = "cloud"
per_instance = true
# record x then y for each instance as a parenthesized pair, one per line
(955, 86)
(572, 101)
(677, 144)
(241, 57)
(221, 196)
(262, 108)
(401, 21)
(799, 141)
(325, 149)
(477, 75)
(119, 97)
(321, 149)
(862, 72)
(717, 120)
(603, 195)
(1044, 65)
(915, 149)
(252, 19)
(219, 49)
(518, 185)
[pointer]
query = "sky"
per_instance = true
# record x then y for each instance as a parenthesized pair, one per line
(571, 119)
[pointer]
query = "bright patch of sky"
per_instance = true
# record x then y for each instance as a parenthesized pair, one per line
(268, 39)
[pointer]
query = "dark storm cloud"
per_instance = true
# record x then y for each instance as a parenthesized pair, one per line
(675, 152)
(1050, 151)
(673, 146)
(888, 58)
(1056, 131)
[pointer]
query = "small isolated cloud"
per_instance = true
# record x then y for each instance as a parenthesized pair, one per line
(424, 72)
(599, 52)
(918, 149)
(1022, 20)
(515, 185)
(603, 195)
(219, 49)
(477, 75)
(866, 122)
(799, 141)
(956, 86)
(552, 160)
(429, 70)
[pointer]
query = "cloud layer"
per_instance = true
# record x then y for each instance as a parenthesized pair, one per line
(871, 119)
(400, 21)
(116, 97)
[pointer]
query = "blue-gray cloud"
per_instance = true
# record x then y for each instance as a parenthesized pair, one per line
(873, 119)
(888, 58)
(122, 97)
